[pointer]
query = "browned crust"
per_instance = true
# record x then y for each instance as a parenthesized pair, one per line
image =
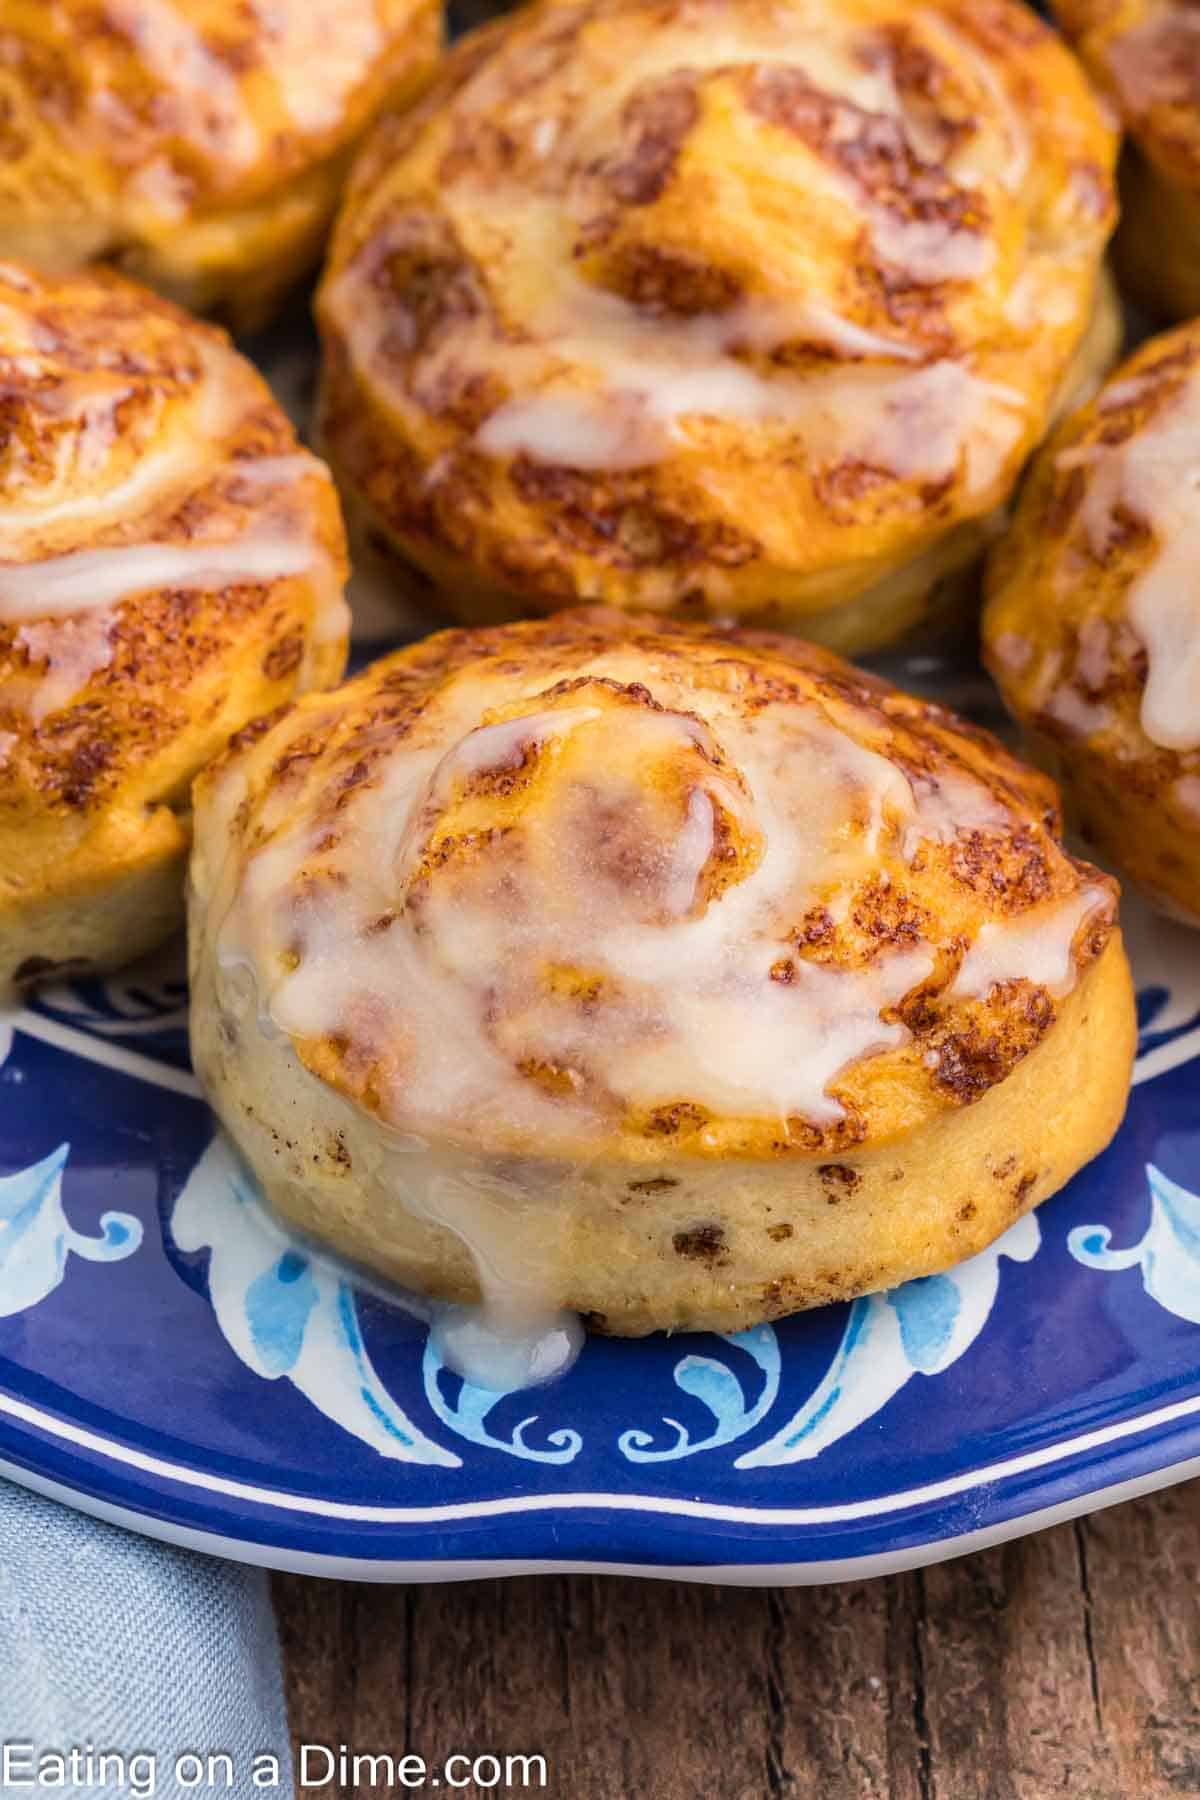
(95, 76)
(200, 141)
(101, 383)
(1056, 605)
(327, 749)
(645, 212)
(1146, 56)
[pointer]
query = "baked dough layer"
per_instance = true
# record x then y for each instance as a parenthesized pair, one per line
(681, 977)
(745, 312)
(1092, 621)
(171, 565)
(1145, 55)
(200, 144)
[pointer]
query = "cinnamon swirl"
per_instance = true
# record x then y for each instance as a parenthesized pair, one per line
(200, 144)
(171, 565)
(727, 308)
(1092, 623)
(677, 976)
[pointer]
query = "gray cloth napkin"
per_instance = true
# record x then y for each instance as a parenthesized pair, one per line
(110, 1640)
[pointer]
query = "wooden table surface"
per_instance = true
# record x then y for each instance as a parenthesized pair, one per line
(1064, 1663)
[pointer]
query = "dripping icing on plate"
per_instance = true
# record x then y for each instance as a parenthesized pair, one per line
(685, 995)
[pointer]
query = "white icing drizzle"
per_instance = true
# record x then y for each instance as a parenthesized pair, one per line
(104, 577)
(599, 384)
(506, 1357)
(1012, 651)
(1076, 712)
(1114, 396)
(1152, 62)
(1035, 946)
(1185, 791)
(581, 431)
(650, 387)
(331, 619)
(73, 650)
(675, 983)
(60, 581)
(579, 937)
(65, 604)
(810, 319)
(1037, 299)
(978, 161)
(1155, 475)
(931, 250)
(315, 64)
(699, 41)
(950, 803)
(1072, 700)
(323, 54)
(545, 132)
(1093, 658)
(514, 1231)
(174, 459)
(174, 49)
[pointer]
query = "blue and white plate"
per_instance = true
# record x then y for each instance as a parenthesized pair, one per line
(169, 1360)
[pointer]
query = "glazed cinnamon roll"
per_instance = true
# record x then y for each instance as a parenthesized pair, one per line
(1092, 624)
(720, 307)
(171, 565)
(198, 143)
(678, 976)
(1145, 55)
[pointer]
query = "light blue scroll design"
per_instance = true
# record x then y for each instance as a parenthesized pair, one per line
(718, 1388)
(36, 1239)
(1168, 1254)
(472, 1407)
(919, 1328)
(287, 1315)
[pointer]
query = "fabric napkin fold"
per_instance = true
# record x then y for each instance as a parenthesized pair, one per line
(112, 1640)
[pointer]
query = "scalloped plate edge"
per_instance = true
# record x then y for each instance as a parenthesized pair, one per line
(149, 1515)
(804, 1574)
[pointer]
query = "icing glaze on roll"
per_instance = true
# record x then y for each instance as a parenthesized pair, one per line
(647, 874)
(738, 308)
(140, 457)
(1153, 477)
(523, 918)
(199, 144)
(1092, 623)
(545, 906)
(1038, 948)
(171, 566)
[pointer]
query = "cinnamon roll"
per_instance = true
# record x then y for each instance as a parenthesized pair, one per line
(1145, 55)
(200, 144)
(171, 565)
(728, 308)
(679, 976)
(1092, 623)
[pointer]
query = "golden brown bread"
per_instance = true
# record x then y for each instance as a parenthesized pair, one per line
(1092, 624)
(199, 143)
(716, 307)
(171, 564)
(685, 977)
(1145, 55)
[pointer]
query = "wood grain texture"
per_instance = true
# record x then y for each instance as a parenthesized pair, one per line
(1066, 1663)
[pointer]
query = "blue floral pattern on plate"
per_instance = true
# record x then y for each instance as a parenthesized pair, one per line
(36, 1240)
(170, 1357)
